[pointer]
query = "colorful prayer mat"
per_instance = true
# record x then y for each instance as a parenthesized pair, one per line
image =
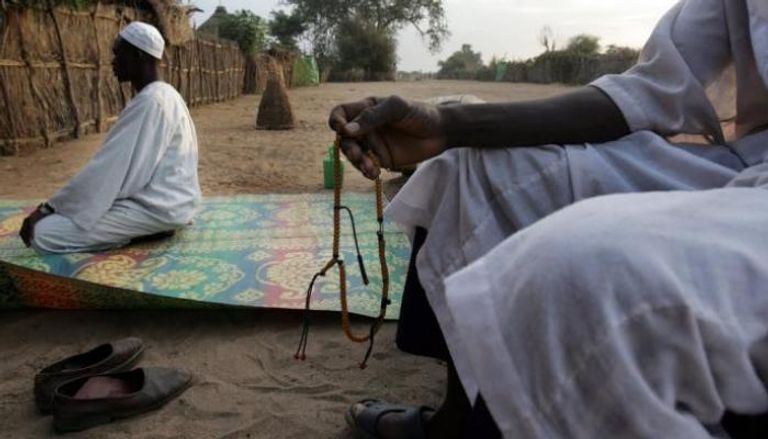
(247, 251)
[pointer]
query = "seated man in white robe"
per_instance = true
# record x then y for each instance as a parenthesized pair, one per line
(143, 181)
(625, 315)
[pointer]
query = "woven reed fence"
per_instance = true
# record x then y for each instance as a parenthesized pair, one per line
(56, 77)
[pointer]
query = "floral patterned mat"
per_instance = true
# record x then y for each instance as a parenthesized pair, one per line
(252, 251)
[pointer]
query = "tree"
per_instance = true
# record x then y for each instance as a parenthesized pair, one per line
(584, 44)
(247, 29)
(547, 39)
(462, 64)
(250, 32)
(496, 66)
(324, 17)
(365, 52)
(286, 28)
(621, 52)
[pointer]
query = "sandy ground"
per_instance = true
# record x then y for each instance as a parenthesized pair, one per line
(247, 383)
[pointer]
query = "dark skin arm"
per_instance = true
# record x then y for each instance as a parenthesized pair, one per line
(399, 132)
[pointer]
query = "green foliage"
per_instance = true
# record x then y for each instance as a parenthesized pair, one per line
(494, 68)
(324, 19)
(364, 48)
(462, 64)
(393, 15)
(571, 66)
(562, 66)
(286, 28)
(247, 29)
(584, 44)
(614, 51)
(617, 59)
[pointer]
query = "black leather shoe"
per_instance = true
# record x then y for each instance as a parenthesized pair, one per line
(108, 358)
(142, 390)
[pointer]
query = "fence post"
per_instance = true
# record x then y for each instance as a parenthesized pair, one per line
(201, 74)
(42, 115)
(99, 82)
(194, 71)
(216, 76)
(179, 67)
(67, 74)
(123, 99)
(8, 144)
(188, 63)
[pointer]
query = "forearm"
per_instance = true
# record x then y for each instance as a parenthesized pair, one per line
(584, 115)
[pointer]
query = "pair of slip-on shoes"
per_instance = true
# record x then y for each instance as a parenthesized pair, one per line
(98, 386)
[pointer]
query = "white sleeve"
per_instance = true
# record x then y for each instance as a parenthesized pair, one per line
(124, 164)
(665, 91)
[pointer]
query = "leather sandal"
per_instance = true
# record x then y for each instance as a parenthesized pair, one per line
(117, 356)
(366, 423)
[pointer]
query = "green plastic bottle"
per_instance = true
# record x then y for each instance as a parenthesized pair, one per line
(328, 179)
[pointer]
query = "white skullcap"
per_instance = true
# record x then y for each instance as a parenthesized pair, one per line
(144, 37)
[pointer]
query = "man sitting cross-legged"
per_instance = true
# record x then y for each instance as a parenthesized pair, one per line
(143, 181)
(570, 304)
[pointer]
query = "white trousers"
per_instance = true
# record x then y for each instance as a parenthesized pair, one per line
(539, 331)
(57, 234)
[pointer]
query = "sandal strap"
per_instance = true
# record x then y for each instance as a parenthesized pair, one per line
(412, 417)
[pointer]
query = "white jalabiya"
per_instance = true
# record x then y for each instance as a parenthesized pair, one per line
(142, 181)
(635, 315)
(622, 316)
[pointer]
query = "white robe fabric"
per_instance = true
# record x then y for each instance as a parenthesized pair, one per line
(622, 316)
(635, 315)
(142, 181)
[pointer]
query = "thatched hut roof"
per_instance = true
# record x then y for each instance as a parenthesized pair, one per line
(211, 25)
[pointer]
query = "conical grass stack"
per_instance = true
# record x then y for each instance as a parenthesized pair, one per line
(275, 111)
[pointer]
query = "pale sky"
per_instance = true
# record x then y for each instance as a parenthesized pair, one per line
(506, 28)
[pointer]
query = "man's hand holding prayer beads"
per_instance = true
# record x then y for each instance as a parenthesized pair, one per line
(396, 131)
